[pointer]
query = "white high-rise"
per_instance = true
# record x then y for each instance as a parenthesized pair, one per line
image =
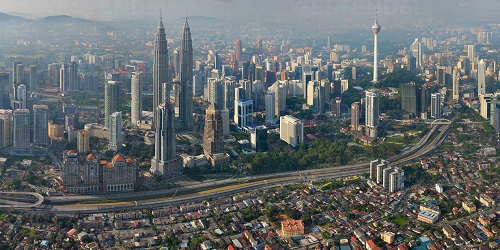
(136, 94)
(291, 130)
(481, 78)
(40, 125)
(376, 29)
(471, 53)
(22, 96)
(436, 105)
(115, 131)
(456, 87)
(372, 113)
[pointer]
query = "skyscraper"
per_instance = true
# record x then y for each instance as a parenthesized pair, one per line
(136, 100)
(456, 87)
(481, 77)
(441, 75)
(471, 53)
(186, 78)
(270, 102)
(64, 78)
(4, 90)
(436, 105)
(410, 98)
(160, 69)
(243, 113)
(416, 51)
(115, 131)
(376, 29)
(213, 143)
(40, 125)
(83, 141)
(111, 101)
(238, 48)
(22, 96)
(165, 161)
(21, 130)
(5, 128)
(354, 116)
(372, 113)
(33, 78)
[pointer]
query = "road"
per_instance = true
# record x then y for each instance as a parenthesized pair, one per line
(13, 202)
(62, 204)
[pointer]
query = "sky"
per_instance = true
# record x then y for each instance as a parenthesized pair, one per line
(355, 12)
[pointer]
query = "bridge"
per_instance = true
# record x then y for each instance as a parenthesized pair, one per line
(20, 200)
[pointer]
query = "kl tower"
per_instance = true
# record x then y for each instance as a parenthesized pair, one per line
(376, 29)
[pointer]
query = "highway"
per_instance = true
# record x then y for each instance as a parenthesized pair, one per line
(19, 200)
(66, 204)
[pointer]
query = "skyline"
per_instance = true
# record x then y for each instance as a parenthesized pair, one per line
(336, 12)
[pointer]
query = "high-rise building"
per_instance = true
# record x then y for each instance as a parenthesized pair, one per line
(22, 97)
(225, 122)
(355, 116)
(64, 78)
(40, 125)
(244, 113)
(441, 75)
(115, 131)
(5, 128)
(471, 52)
(73, 77)
(436, 105)
(17, 76)
(213, 136)
(186, 79)
(416, 51)
(238, 49)
(111, 101)
(82, 141)
(291, 130)
(33, 78)
(270, 102)
(481, 78)
(495, 112)
(372, 113)
(376, 29)
(136, 100)
(354, 74)
(259, 47)
(4, 90)
(410, 98)
(165, 160)
(258, 139)
(485, 105)
(456, 86)
(160, 69)
(396, 180)
(21, 130)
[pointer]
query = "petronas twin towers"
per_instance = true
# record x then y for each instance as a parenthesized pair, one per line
(165, 161)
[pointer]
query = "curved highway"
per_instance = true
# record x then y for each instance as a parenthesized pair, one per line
(427, 144)
(10, 200)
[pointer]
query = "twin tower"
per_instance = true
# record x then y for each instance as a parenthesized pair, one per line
(165, 160)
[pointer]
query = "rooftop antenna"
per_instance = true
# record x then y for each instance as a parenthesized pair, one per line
(160, 15)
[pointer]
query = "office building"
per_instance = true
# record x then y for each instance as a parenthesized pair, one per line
(436, 111)
(441, 75)
(485, 105)
(213, 137)
(471, 52)
(33, 81)
(416, 52)
(225, 122)
(160, 70)
(244, 113)
(495, 112)
(136, 98)
(72, 83)
(238, 49)
(5, 90)
(481, 78)
(40, 125)
(111, 101)
(115, 131)
(21, 130)
(291, 130)
(355, 116)
(410, 98)
(270, 102)
(22, 97)
(64, 78)
(186, 79)
(5, 128)
(372, 113)
(165, 161)
(376, 29)
(456, 86)
(82, 141)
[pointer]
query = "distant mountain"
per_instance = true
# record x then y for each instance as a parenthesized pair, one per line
(10, 18)
(64, 19)
(200, 19)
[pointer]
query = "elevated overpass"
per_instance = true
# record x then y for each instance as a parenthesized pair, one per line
(20, 200)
